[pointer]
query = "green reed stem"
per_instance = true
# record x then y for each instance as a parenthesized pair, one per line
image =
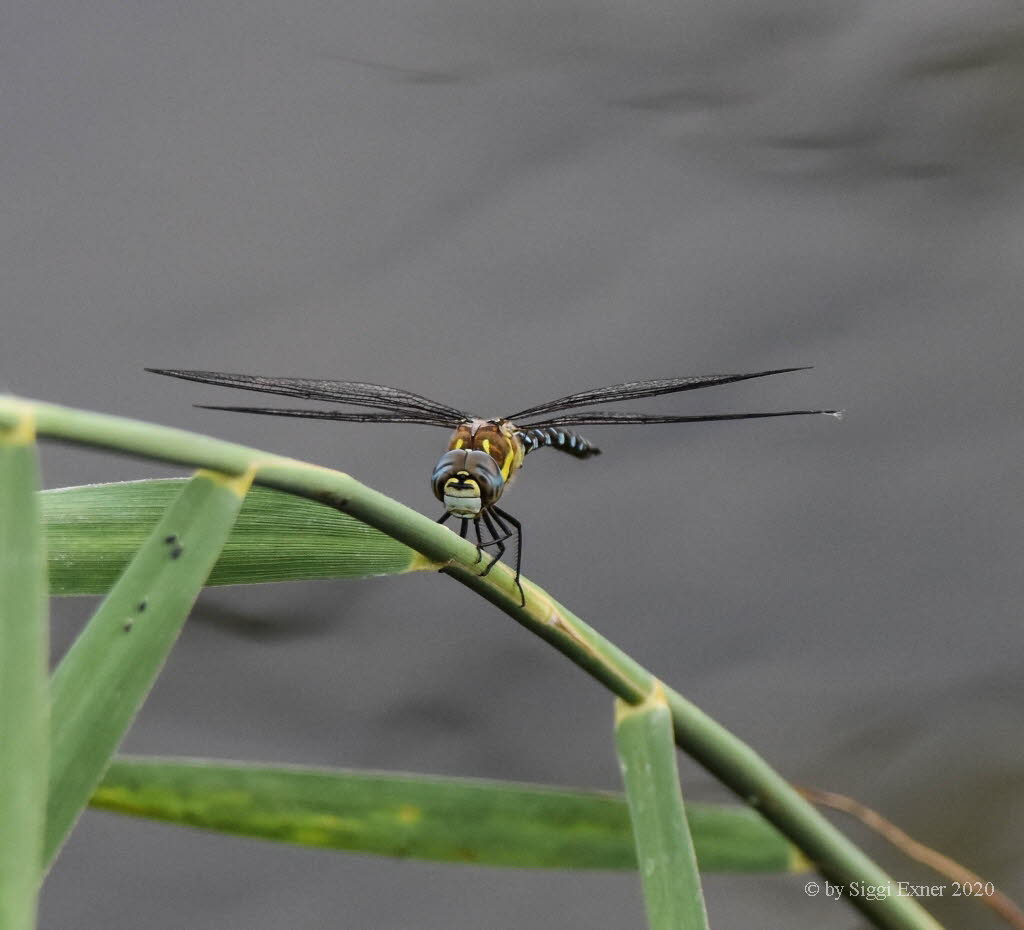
(24, 692)
(664, 848)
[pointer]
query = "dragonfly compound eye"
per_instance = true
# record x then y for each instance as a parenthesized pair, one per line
(467, 481)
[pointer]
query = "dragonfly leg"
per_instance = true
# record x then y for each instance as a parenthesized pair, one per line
(495, 540)
(465, 530)
(501, 516)
(479, 541)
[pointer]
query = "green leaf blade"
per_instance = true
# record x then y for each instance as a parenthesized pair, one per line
(24, 694)
(664, 847)
(92, 532)
(457, 820)
(102, 681)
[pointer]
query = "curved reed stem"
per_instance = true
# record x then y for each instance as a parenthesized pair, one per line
(734, 763)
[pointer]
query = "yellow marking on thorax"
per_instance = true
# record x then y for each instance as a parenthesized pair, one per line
(459, 444)
(506, 466)
(487, 446)
(516, 453)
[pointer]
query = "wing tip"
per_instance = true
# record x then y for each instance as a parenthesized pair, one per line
(174, 372)
(784, 371)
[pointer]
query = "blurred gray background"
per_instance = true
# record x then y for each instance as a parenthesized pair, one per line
(495, 204)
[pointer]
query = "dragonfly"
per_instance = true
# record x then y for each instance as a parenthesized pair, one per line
(483, 455)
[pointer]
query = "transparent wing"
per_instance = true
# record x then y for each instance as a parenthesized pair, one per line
(366, 417)
(604, 418)
(634, 389)
(347, 392)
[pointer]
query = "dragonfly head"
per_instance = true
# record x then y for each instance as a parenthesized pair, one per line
(467, 482)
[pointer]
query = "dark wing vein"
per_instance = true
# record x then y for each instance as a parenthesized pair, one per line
(347, 392)
(366, 417)
(634, 389)
(605, 417)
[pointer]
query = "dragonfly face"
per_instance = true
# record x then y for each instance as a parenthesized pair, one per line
(467, 482)
(483, 455)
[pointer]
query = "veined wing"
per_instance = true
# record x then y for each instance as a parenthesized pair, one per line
(362, 417)
(605, 417)
(359, 393)
(631, 390)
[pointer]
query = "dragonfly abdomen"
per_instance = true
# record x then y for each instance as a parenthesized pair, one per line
(553, 437)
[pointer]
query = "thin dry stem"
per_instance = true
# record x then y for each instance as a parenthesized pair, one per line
(1002, 904)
